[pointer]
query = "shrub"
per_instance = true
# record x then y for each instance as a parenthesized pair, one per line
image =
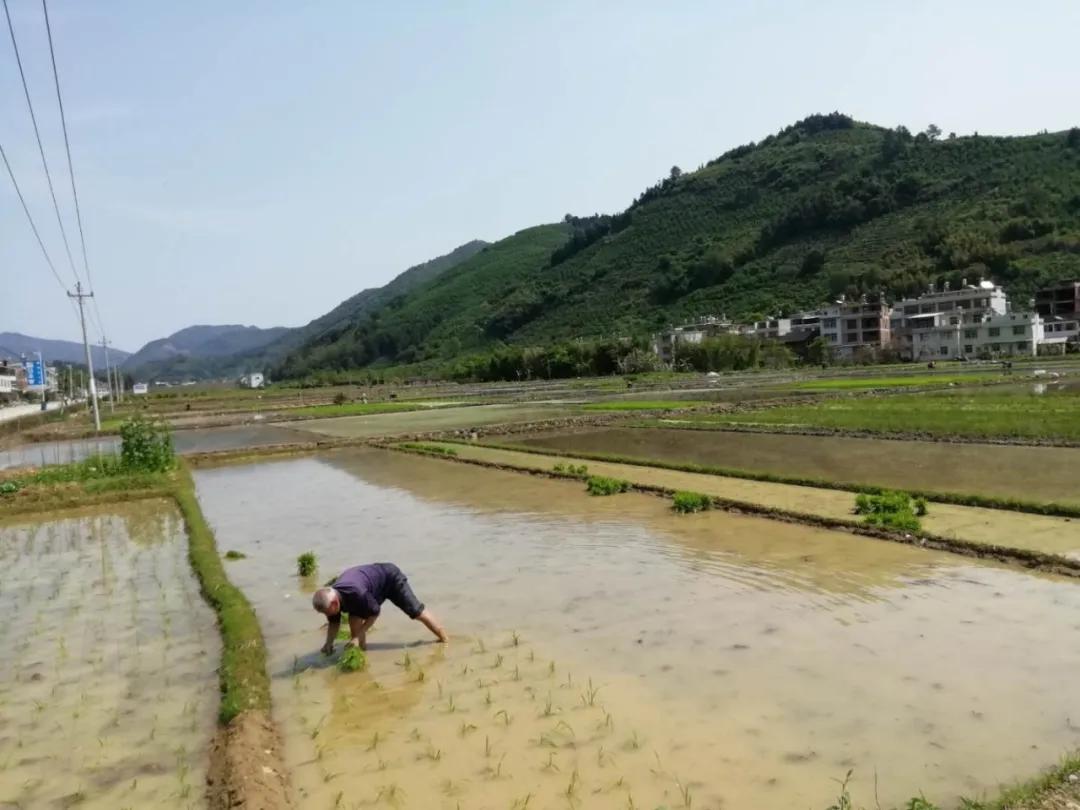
(235, 555)
(305, 564)
(340, 398)
(9, 487)
(687, 502)
(602, 485)
(146, 446)
(890, 510)
(575, 470)
(352, 660)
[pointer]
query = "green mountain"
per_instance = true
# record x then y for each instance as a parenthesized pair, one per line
(826, 206)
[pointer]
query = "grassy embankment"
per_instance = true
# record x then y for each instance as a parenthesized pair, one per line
(986, 415)
(644, 405)
(898, 381)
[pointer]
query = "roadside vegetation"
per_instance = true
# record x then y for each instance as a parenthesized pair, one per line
(897, 381)
(689, 502)
(896, 511)
(984, 415)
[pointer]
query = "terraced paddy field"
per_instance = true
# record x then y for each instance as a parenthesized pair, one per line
(108, 691)
(436, 419)
(606, 653)
(1046, 474)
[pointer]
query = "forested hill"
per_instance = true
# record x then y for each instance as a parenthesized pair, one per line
(826, 206)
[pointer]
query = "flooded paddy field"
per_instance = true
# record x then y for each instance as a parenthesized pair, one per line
(607, 654)
(203, 440)
(391, 424)
(1046, 474)
(108, 691)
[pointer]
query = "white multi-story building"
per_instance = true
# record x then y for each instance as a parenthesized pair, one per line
(998, 335)
(848, 326)
(1059, 332)
(913, 318)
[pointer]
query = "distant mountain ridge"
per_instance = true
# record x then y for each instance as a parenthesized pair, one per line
(205, 351)
(15, 344)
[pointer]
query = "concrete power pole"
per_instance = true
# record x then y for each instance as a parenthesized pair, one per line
(108, 375)
(79, 295)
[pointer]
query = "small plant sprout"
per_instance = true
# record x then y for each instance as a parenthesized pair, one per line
(522, 804)
(551, 669)
(505, 715)
(451, 706)
(588, 697)
(406, 661)
(498, 661)
(432, 753)
(685, 795)
(608, 722)
(562, 725)
(634, 743)
(466, 729)
(487, 698)
(374, 744)
(420, 676)
(318, 727)
(464, 670)
(532, 656)
(487, 747)
(439, 684)
(392, 793)
(414, 735)
(306, 564)
(603, 756)
(480, 648)
(548, 709)
(517, 673)
(569, 682)
(550, 765)
(572, 786)
(515, 639)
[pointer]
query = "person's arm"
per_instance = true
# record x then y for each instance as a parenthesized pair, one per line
(358, 630)
(333, 623)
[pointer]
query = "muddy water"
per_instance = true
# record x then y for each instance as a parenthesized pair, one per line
(742, 661)
(186, 441)
(1031, 473)
(107, 681)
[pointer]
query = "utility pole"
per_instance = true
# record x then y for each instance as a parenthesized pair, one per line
(108, 374)
(79, 295)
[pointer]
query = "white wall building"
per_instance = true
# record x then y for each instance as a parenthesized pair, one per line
(253, 380)
(1058, 333)
(666, 343)
(1000, 335)
(849, 326)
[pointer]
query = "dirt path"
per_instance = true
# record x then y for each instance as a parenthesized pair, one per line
(246, 767)
(1051, 535)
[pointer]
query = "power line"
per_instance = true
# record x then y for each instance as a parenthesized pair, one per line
(41, 148)
(30, 218)
(67, 148)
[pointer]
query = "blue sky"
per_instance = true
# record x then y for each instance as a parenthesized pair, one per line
(258, 162)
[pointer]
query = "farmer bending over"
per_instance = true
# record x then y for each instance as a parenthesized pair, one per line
(360, 592)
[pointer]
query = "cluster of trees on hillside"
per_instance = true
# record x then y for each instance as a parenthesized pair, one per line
(585, 231)
(732, 353)
(578, 358)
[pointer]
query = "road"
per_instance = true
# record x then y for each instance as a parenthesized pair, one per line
(15, 411)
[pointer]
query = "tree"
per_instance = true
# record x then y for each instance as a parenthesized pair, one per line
(819, 352)
(1072, 140)
(812, 263)
(933, 132)
(676, 173)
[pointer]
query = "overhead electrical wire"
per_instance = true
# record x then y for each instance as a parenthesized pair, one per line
(37, 136)
(30, 219)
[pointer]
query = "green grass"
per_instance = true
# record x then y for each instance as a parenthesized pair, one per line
(429, 448)
(643, 405)
(573, 470)
(602, 485)
(895, 511)
(242, 673)
(984, 415)
(689, 502)
(911, 381)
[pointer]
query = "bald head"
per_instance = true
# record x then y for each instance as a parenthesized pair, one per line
(326, 601)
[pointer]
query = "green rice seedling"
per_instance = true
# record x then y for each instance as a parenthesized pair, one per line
(432, 753)
(515, 639)
(344, 633)
(464, 670)
(505, 716)
(414, 735)
(405, 662)
(569, 681)
(689, 502)
(522, 804)
(562, 725)
(634, 743)
(685, 795)
(487, 698)
(532, 656)
(551, 669)
(420, 676)
(466, 729)
(603, 485)
(498, 661)
(352, 660)
(517, 673)
(451, 706)
(392, 793)
(549, 764)
(480, 648)
(339, 799)
(318, 727)
(630, 802)
(233, 554)
(888, 510)
(306, 564)
(608, 722)
(919, 505)
(548, 709)
(487, 747)
(588, 697)
(603, 756)
(572, 786)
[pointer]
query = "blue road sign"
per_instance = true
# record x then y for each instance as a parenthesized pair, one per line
(35, 373)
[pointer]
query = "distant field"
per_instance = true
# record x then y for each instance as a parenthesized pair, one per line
(354, 409)
(986, 414)
(643, 405)
(910, 381)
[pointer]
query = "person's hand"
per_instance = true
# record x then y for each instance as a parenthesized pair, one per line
(328, 648)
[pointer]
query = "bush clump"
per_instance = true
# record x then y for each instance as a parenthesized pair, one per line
(352, 660)
(575, 470)
(430, 449)
(602, 485)
(688, 502)
(232, 554)
(146, 446)
(896, 511)
(305, 564)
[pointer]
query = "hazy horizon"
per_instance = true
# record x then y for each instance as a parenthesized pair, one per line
(258, 163)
